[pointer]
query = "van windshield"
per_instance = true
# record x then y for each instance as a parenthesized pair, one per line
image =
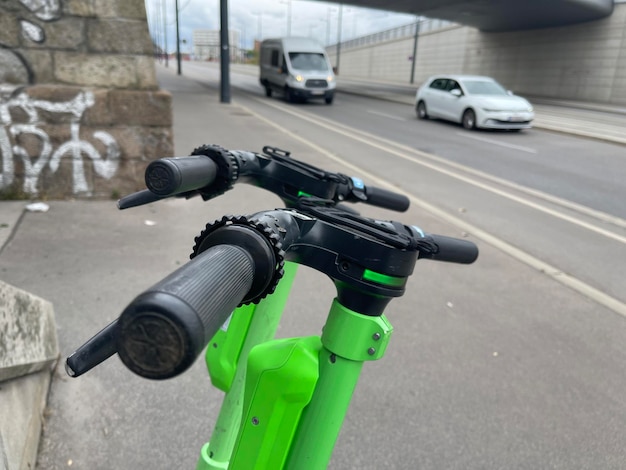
(308, 61)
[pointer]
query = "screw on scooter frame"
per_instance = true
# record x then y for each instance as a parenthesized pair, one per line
(285, 399)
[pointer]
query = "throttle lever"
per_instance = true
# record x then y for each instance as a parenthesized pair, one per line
(98, 349)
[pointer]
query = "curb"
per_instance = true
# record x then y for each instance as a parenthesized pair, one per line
(28, 355)
(20, 430)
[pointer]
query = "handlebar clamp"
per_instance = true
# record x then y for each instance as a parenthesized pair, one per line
(257, 237)
(227, 169)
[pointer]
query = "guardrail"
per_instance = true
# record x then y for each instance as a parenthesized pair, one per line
(425, 25)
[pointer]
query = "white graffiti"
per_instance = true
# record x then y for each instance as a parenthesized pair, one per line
(74, 148)
(45, 10)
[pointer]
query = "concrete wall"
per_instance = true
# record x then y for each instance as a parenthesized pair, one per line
(80, 109)
(583, 62)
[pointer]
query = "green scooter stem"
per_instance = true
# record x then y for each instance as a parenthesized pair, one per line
(215, 455)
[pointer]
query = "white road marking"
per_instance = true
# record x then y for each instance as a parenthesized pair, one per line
(404, 151)
(496, 142)
(390, 116)
(551, 271)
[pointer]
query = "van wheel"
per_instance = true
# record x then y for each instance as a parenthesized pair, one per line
(268, 91)
(329, 99)
(291, 96)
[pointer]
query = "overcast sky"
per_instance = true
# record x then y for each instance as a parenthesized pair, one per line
(268, 18)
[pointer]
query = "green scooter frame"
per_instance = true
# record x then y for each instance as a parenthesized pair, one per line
(288, 390)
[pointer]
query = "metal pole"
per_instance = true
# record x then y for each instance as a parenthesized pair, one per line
(224, 53)
(417, 32)
(177, 40)
(156, 36)
(328, 28)
(338, 38)
(288, 18)
(165, 31)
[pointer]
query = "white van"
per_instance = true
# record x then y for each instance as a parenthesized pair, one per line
(298, 68)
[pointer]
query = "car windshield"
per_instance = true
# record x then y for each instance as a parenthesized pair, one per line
(484, 87)
(308, 61)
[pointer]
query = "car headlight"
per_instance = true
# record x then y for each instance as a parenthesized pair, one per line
(298, 78)
(530, 109)
(329, 78)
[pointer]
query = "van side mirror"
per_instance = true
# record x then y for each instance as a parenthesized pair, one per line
(335, 71)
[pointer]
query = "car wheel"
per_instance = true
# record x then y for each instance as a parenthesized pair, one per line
(469, 119)
(421, 110)
(328, 100)
(268, 91)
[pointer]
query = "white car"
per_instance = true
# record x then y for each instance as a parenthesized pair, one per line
(474, 101)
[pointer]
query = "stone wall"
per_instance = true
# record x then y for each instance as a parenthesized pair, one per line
(81, 114)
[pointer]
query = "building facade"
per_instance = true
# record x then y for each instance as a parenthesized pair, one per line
(206, 44)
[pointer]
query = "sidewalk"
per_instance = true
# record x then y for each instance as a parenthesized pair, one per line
(64, 251)
(89, 260)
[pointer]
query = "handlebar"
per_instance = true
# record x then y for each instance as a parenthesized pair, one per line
(450, 249)
(212, 170)
(239, 259)
(163, 330)
(171, 176)
(387, 199)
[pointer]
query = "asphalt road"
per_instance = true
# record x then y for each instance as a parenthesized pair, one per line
(549, 195)
(551, 201)
(514, 362)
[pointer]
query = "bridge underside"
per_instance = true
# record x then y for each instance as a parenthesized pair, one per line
(499, 15)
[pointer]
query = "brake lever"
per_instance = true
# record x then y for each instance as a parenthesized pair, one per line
(139, 198)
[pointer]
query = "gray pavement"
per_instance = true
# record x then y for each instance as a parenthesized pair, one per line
(90, 259)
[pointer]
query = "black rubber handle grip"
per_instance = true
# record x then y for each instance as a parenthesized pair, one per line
(93, 352)
(162, 331)
(387, 199)
(453, 250)
(170, 176)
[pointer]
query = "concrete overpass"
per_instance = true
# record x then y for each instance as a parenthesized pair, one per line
(584, 61)
(499, 15)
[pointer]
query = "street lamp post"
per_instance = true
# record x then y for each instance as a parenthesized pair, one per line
(177, 40)
(260, 26)
(417, 32)
(288, 18)
(164, 11)
(288, 2)
(330, 10)
(338, 38)
(224, 53)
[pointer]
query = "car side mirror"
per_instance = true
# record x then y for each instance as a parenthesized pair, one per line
(456, 92)
(509, 92)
